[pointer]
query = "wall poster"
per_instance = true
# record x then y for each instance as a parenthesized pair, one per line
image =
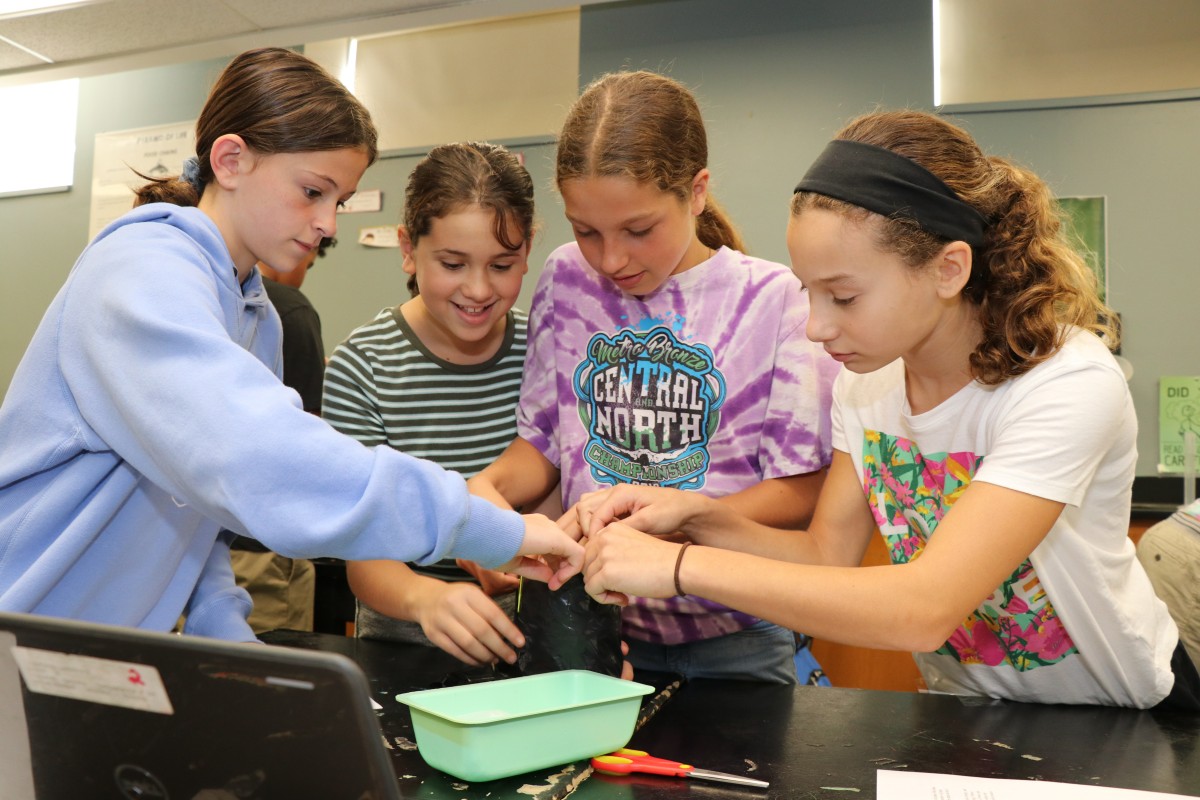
(1178, 415)
(1086, 229)
(158, 152)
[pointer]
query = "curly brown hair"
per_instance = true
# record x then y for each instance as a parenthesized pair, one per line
(1028, 284)
(278, 101)
(647, 127)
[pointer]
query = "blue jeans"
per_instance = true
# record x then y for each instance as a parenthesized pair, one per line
(762, 652)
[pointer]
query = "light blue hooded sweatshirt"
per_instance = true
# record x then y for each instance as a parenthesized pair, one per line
(148, 413)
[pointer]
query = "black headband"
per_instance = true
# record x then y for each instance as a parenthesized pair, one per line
(879, 180)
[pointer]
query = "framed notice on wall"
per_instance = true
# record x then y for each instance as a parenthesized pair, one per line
(1086, 229)
(1178, 415)
(157, 152)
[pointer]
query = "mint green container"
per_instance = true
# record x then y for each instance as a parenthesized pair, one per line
(485, 731)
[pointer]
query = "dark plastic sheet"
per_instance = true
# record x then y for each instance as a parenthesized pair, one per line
(565, 629)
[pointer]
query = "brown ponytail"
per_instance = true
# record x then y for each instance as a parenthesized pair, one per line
(165, 190)
(647, 127)
(714, 228)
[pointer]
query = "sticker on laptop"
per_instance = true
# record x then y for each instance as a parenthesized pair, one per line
(96, 680)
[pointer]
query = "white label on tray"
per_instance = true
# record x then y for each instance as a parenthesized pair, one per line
(97, 680)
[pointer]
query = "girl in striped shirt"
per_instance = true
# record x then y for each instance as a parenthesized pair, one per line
(438, 377)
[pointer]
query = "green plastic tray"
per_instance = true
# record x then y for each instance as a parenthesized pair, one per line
(485, 731)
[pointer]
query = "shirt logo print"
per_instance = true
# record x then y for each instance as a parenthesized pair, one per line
(650, 403)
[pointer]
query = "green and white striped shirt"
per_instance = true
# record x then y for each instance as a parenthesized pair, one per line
(384, 386)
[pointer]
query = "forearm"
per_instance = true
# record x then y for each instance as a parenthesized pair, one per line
(837, 535)
(483, 486)
(698, 518)
(520, 478)
(777, 510)
(916, 605)
(390, 587)
(887, 607)
(786, 502)
(720, 523)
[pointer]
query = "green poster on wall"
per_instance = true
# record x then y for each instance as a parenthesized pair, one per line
(1084, 223)
(1178, 414)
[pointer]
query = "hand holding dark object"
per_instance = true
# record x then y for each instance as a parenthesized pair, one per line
(566, 629)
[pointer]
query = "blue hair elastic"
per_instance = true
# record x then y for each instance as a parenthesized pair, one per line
(191, 174)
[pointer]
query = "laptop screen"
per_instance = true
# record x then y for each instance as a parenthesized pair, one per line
(124, 713)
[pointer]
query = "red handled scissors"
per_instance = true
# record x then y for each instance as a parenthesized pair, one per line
(625, 761)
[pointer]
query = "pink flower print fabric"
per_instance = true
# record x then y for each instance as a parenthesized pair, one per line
(909, 493)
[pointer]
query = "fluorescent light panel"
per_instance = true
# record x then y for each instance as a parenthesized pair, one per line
(18, 7)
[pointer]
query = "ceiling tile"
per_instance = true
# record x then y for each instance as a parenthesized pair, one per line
(15, 58)
(278, 13)
(123, 26)
(127, 34)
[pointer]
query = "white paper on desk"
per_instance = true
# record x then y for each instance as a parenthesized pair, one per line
(896, 785)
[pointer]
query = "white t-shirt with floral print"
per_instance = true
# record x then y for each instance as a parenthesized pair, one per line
(1077, 621)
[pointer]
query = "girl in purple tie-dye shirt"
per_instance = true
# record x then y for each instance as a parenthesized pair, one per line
(659, 354)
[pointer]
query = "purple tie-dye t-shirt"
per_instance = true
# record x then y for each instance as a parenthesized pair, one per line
(708, 384)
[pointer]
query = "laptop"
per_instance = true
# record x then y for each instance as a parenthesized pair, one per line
(95, 711)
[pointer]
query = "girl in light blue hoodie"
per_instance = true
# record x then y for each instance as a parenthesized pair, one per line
(148, 414)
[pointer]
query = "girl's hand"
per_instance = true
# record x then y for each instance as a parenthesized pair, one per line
(626, 667)
(569, 522)
(492, 581)
(651, 509)
(562, 555)
(621, 562)
(467, 624)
